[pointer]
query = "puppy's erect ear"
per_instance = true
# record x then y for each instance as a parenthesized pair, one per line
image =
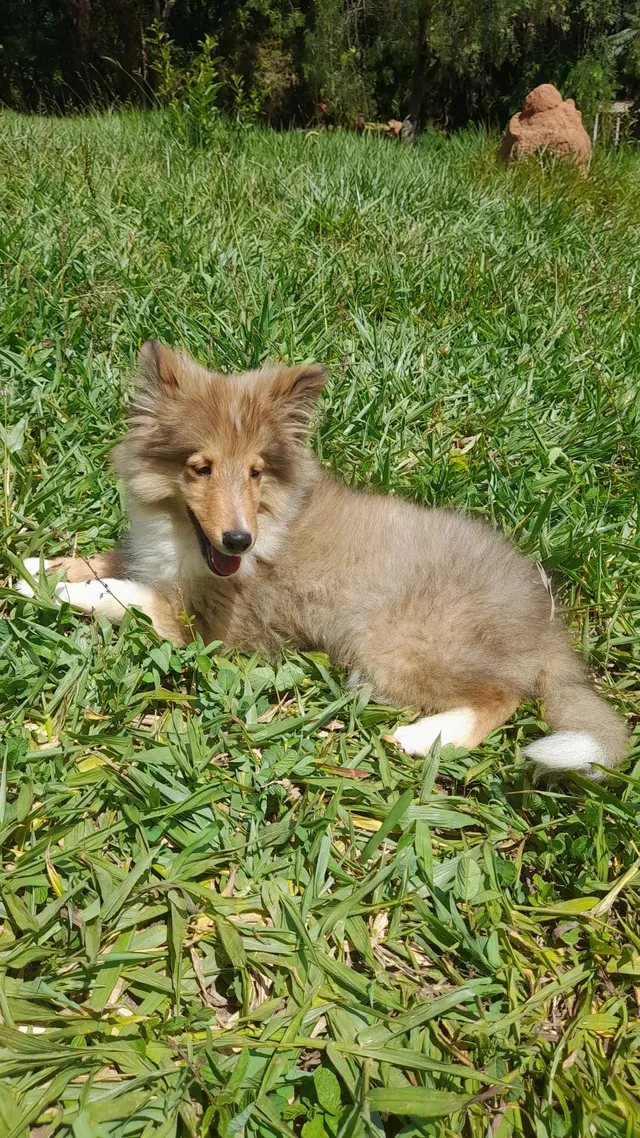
(159, 368)
(297, 389)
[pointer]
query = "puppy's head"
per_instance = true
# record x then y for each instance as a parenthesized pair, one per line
(220, 449)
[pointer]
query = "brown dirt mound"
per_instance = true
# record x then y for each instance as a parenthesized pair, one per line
(547, 122)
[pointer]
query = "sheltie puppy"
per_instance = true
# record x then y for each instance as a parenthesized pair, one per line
(238, 532)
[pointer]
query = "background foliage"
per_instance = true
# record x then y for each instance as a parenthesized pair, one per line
(447, 63)
(228, 906)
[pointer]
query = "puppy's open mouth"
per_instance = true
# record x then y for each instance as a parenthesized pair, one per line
(222, 564)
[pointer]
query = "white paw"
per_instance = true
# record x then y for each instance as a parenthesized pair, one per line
(108, 596)
(454, 726)
(32, 565)
(81, 594)
(92, 595)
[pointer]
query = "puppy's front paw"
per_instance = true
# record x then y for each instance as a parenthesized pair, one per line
(32, 565)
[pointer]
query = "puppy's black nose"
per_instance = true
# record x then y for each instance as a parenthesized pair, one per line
(236, 540)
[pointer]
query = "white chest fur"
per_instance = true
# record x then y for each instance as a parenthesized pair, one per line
(163, 548)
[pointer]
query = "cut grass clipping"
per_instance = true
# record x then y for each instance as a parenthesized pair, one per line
(228, 906)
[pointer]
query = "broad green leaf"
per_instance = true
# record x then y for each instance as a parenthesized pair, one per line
(9, 1111)
(327, 1090)
(13, 437)
(416, 1102)
(25, 800)
(115, 902)
(314, 1128)
(110, 971)
(231, 942)
(468, 879)
(396, 812)
(161, 655)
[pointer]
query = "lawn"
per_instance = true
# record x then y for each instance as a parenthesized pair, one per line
(228, 905)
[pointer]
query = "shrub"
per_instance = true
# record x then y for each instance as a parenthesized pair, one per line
(189, 89)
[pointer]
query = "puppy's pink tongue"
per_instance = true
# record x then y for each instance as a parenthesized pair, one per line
(223, 563)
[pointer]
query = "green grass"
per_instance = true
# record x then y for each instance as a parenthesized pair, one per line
(230, 907)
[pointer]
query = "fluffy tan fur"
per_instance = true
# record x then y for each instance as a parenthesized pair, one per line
(434, 609)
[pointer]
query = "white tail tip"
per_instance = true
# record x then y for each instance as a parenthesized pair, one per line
(567, 751)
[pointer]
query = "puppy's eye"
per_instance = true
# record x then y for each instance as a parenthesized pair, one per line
(202, 471)
(255, 473)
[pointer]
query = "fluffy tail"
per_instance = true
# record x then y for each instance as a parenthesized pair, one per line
(586, 730)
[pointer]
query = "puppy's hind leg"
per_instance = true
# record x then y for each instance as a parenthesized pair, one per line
(463, 726)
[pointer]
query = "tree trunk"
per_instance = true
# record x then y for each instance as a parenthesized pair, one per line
(419, 79)
(162, 11)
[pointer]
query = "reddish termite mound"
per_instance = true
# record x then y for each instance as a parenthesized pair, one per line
(547, 122)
